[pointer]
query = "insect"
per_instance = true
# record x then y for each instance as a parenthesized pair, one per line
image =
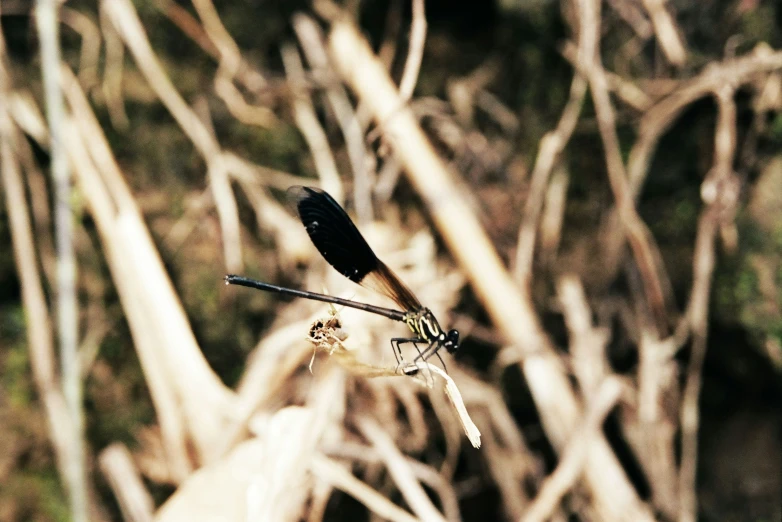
(342, 245)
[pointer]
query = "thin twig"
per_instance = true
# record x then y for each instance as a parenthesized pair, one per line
(312, 43)
(415, 51)
(310, 127)
(551, 147)
(113, 74)
(90, 46)
(37, 320)
(67, 305)
(720, 193)
(134, 500)
(659, 119)
(574, 457)
(668, 36)
(635, 230)
(428, 475)
(230, 65)
(336, 475)
(125, 19)
(399, 469)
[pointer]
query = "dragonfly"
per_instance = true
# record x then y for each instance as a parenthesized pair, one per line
(341, 244)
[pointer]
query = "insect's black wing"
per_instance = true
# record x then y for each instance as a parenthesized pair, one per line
(342, 245)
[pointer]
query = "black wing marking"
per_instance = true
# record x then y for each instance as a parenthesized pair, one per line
(342, 245)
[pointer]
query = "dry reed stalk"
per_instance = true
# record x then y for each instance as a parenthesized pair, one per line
(321, 495)
(415, 52)
(307, 121)
(125, 19)
(668, 35)
(228, 54)
(633, 14)
(553, 217)
(38, 323)
(588, 343)
(166, 344)
(660, 117)
(720, 193)
(266, 477)
(574, 457)
(551, 147)
(269, 369)
(428, 475)
(134, 500)
(335, 474)
(400, 471)
(39, 196)
(89, 51)
(652, 429)
(219, 490)
(509, 460)
(635, 230)
(113, 73)
(142, 327)
(361, 161)
(232, 66)
(512, 313)
(47, 22)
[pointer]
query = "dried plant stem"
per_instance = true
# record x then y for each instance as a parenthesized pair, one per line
(400, 470)
(587, 342)
(312, 43)
(194, 402)
(173, 431)
(231, 67)
(125, 19)
(335, 474)
(38, 323)
(134, 500)
(67, 306)
(551, 147)
(511, 312)
(659, 118)
(574, 456)
(667, 35)
(635, 230)
(424, 472)
(113, 74)
(720, 192)
(415, 53)
(703, 266)
(310, 127)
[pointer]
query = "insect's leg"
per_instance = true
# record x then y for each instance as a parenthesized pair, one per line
(432, 349)
(437, 353)
(397, 350)
(396, 342)
(423, 356)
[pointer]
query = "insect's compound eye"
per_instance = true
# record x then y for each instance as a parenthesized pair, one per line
(452, 341)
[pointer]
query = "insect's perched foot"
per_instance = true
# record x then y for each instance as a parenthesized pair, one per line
(407, 368)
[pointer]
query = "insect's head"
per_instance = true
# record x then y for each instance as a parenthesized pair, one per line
(452, 341)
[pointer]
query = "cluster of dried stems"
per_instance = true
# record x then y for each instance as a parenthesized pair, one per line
(249, 454)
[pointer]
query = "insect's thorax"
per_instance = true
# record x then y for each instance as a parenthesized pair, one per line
(423, 323)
